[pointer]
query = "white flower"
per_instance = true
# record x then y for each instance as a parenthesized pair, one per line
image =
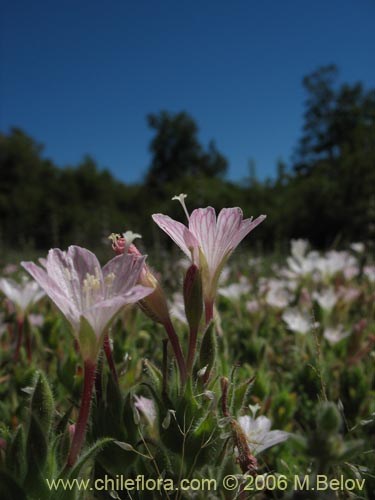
(23, 295)
(358, 247)
(296, 321)
(277, 294)
(258, 433)
(299, 248)
(234, 291)
(334, 335)
(326, 299)
(252, 306)
(369, 271)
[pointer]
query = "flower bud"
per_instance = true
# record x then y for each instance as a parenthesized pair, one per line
(193, 297)
(154, 305)
(328, 418)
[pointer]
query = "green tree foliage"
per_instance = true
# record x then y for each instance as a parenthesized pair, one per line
(335, 165)
(325, 195)
(177, 153)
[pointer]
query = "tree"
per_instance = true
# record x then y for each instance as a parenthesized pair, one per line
(176, 151)
(335, 165)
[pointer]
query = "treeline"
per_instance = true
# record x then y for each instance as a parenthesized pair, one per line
(326, 194)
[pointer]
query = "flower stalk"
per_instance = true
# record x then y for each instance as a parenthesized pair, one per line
(84, 412)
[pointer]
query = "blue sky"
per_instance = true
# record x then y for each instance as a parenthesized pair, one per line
(81, 76)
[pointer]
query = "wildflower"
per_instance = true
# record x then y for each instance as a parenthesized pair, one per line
(296, 321)
(208, 241)
(258, 433)
(86, 294)
(334, 335)
(358, 247)
(235, 291)
(277, 294)
(89, 297)
(326, 299)
(23, 295)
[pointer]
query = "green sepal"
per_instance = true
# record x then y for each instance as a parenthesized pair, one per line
(88, 342)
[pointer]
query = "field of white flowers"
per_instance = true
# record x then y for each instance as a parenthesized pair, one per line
(213, 366)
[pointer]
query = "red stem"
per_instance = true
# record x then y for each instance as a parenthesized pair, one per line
(84, 411)
(175, 343)
(108, 354)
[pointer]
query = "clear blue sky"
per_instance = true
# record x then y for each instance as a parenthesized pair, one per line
(81, 76)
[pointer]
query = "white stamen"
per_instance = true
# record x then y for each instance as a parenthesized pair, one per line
(109, 279)
(114, 237)
(67, 273)
(181, 198)
(91, 284)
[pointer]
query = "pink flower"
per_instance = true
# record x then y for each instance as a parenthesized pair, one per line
(89, 297)
(208, 241)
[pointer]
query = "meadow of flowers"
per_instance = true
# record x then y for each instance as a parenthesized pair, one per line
(254, 372)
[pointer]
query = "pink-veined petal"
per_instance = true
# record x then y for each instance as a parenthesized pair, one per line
(54, 291)
(202, 224)
(101, 314)
(227, 227)
(179, 233)
(84, 262)
(246, 227)
(122, 272)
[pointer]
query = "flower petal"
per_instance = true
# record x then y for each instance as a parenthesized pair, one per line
(179, 233)
(202, 225)
(102, 313)
(247, 225)
(122, 272)
(55, 292)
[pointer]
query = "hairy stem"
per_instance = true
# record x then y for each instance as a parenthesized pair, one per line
(84, 411)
